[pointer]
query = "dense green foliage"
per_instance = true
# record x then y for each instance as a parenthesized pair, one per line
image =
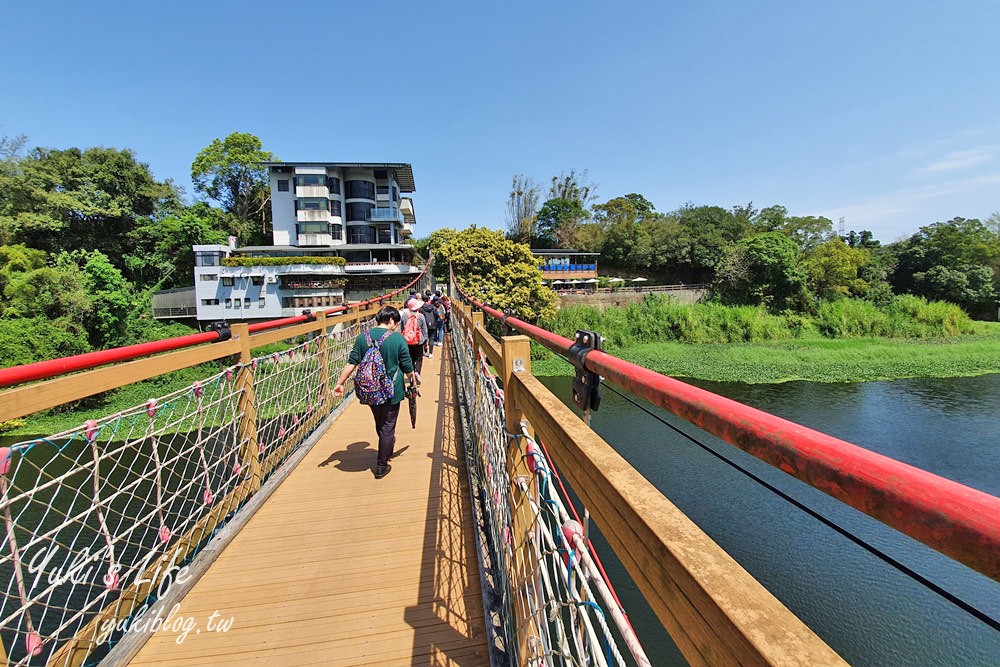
(66, 200)
(281, 261)
(495, 270)
(230, 172)
(86, 236)
(956, 261)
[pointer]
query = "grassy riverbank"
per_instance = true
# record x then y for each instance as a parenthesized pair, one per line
(814, 359)
(846, 341)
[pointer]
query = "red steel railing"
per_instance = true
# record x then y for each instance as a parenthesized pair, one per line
(42, 370)
(960, 522)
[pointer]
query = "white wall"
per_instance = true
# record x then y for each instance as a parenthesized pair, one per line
(283, 210)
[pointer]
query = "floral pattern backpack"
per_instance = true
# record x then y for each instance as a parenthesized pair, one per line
(372, 383)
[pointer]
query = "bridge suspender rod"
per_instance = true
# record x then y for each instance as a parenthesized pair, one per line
(960, 522)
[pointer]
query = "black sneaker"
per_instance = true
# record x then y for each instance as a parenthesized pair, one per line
(382, 471)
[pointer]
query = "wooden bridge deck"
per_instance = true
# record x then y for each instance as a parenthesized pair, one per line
(338, 568)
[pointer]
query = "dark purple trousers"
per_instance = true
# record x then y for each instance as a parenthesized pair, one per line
(385, 426)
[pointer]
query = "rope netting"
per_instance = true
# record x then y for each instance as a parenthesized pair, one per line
(550, 604)
(100, 519)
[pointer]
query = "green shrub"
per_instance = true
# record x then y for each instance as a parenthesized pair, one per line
(851, 318)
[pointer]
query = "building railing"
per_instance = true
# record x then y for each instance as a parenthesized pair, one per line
(384, 214)
(568, 267)
(175, 311)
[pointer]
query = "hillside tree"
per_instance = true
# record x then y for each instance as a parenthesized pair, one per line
(498, 271)
(521, 211)
(229, 171)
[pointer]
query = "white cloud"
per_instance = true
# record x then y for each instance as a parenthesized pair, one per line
(959, 160)
(884, 211)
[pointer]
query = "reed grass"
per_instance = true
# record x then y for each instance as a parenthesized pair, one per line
(846, 341)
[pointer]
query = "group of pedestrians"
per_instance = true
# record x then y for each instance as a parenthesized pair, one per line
(402, 339)
(432, 318)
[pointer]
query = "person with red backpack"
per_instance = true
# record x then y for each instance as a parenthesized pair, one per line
(415, 333)
(381, 357)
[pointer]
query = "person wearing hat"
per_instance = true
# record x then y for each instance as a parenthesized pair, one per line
(416, 349)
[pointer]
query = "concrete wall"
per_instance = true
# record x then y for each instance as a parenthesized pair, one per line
(602, 300)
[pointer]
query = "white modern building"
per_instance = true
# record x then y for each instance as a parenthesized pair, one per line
(321, 211)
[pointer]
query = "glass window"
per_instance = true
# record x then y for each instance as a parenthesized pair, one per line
(382, 190)
(260, 302)
(246, 302)
(257, 280)
(310, 179)
(361, 234)
(381, 174)
(359, 211)
(395, 193)
(384, 235)
(206, 259)
(335, 207)
(228, 282)
(229, 303)
(282, 185)
(333, 183)
(210, 302)
(337, 232)
(360, 190)
(312, 203)
(209, 276)
(313, 228)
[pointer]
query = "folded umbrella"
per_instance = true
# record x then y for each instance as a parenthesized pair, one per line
(411, 396)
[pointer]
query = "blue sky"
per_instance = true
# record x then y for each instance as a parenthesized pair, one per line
(885, 113)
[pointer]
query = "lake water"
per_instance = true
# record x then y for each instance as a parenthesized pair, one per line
(868, 611)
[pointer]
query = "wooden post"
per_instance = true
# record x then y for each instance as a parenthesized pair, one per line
(476, 323)
(323, 357)
(247, 407)
(517, 359)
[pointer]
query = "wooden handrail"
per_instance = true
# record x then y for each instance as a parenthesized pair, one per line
(716, 612)
(28, 399)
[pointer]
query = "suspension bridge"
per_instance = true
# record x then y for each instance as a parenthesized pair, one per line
(236, 519)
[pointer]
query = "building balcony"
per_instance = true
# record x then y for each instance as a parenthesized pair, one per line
(312, 215)
(569, 271)
(385, 214)
(312, 191)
